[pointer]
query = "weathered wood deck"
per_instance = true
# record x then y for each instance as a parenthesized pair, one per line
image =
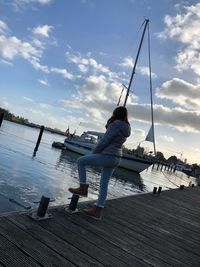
(141, 230)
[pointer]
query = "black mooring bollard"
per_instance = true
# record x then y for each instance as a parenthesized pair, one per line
(39, 138)
(44, 203)
(1, 118)
(41, 213)
(192, 185)
(73, 203)
(159, 190)
(154, 190)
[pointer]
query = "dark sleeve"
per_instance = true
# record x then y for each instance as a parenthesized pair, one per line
(106, 139)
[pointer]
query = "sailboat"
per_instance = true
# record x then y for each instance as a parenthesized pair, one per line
(87, 141)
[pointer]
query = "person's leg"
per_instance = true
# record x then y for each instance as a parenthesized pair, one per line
(91, 159)
(96, 211)
(103, 190)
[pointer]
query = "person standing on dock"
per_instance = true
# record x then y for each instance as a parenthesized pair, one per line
(107, 154)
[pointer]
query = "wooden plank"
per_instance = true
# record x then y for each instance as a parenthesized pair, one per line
(148, 244)
(111, 235)
(66, 248)
(157, 211)
(137, 231)
(154, 233)
(174, 246)
(11, 256)
(144, 214)
(31, 246)
(103, 251)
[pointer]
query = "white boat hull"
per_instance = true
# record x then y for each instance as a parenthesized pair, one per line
(132, 162)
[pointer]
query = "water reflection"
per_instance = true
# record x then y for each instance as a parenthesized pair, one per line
(51, 172)
(129, 176)
(132, 181)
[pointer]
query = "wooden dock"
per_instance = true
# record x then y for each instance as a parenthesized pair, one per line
(141, 230)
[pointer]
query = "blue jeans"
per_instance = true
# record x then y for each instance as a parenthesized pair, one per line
(108, 162)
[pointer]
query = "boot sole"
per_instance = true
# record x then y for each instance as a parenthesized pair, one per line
(93, 217)
(77, 194)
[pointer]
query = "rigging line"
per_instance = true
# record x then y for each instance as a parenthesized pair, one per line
(169, 179)
(120, 95)
(151, 91)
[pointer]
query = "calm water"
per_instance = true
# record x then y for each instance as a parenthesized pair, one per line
(25, 178)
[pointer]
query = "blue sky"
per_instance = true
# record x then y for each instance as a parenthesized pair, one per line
(63, 63)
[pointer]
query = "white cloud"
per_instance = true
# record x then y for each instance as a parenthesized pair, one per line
(87, 64)
(43, 30)
(38, 43)
(28, 99)
(178, 118)
(180, 92)
(145, 71)
(44, 82)
(4, 103)
(64, 73)
(166, 138)
(139, 133)
(185, 28)
(5, 62)
(11, 47)
(35, 62)
(20, 5)
(45, 106)
(3, 27)
(83, 68)
(128, 62)
(97, 96)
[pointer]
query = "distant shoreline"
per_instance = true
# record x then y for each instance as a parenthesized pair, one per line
(37, 126)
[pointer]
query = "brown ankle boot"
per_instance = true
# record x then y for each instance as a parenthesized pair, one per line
(95, 212)
(82, 190)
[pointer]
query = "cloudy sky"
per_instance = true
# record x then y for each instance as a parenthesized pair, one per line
(63, 63)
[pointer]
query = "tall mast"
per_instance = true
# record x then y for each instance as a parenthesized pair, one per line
(146, 21)
(151, 94)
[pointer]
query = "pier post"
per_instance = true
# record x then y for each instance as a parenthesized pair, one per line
(73, 204)
(1, 118)
(159, 190)
(154, 190)
(39, 139)
(41, 213)
(174, 169)
(44, 202)
(161, 167)
(158, 164)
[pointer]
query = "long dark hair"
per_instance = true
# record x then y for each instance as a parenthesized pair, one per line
(120, 113)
